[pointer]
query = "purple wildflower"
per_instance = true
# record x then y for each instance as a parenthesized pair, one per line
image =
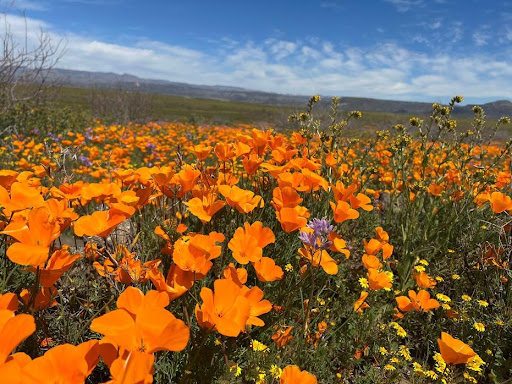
(319, 237)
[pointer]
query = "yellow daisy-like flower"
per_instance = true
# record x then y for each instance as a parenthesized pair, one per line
(423, 262)
(258, 347)
(395, 360)
(288, 267)
(499, 322)
(419, 268)
(404, 351)
(443, 298)
(431, 374)
(363, 282)
(235, 368)
(418, 368)
(483, 303)
(475, 364)
(466, 297)
(439, 278)
(455, 277)
(479, 327)
(383, 351)
(389, 367)
(275, 371)
(446, 307)
(320, 301)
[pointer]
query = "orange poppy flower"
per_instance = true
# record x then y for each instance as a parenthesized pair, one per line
(282, 337)
(285, 197)
(201, 151)
(13, 330)
(293, 375)
(423, 280)
(225, 309)
(360, 303)
(370, 261)
(267, 270)
(45, 298)
(34, 236)
(244, 201)
(342, 211)
(100, 223)
(177, 283)
(292, 219)
(420, 301)
(58, 263)
(257, 306)
(378, 280)
(251, 163)
(224, 152)
(453, 350)
(237, 275)
(9, 301)
(141, 323)
(204, 208)
(500, 202)
(64, 363)
(21, 197)
(135, 368)
(194, 253)
(361, 201)
(320, 257)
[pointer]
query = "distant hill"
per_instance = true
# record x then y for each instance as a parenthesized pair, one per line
(84, 79)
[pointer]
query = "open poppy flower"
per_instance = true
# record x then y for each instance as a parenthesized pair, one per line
(267, 270)
(100, 223)
(135, 368)
(500, 202)
(285, 197)
(21, 197)
(44, 298)
(420, 301)
(342, 211)
(64, 363)
(244, 201)
(293, 219)
(13, 330)
(378, 280)
(204, 208)
(225, 309)
(293, 375)
(257, 306)
(453, 350)
(35, 237)
(141, 323)
(320, 257)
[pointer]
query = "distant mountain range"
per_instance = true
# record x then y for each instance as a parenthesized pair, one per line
(84, 79)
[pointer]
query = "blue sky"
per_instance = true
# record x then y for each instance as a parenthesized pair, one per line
(426, 50)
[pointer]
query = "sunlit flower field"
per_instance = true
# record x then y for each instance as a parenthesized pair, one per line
(169, 252)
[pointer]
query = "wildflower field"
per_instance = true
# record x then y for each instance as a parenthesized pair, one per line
(174, 253)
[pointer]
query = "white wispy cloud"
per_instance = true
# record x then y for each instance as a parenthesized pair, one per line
(406, 5)
(294, 67)
(482, 36)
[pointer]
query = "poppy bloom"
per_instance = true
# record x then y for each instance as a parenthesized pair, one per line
(282, 337)
(225, 309)
(420, 301)
(378, 280)
(342, 211)
(100, 223)
(13, 330)
(292, 219)
(35, 237)
(64, 363)
(141, 323)
(453, 350)
(360, 303)
(293, 375)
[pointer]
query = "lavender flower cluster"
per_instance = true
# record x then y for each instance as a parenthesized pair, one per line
(318, 239)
